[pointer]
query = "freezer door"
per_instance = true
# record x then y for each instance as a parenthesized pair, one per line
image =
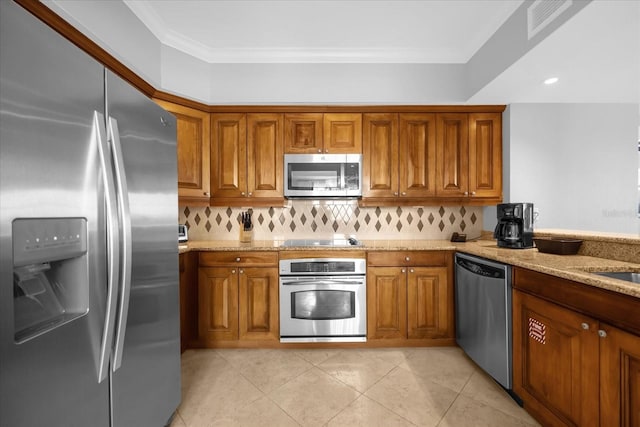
(52, 300)
(146, 385)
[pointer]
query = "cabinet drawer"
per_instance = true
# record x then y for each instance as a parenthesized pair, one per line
(254, 259)
(424, 258)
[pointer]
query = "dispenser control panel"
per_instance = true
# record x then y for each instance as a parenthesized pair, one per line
(48, 239)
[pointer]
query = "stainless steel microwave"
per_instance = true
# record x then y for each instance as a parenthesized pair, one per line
(322, 175)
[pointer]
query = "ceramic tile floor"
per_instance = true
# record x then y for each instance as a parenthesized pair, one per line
(435, 386)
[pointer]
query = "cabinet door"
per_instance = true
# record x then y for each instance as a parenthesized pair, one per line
(343, 133)
(303, 133)
(386, 302)
(452, 155)
(380, 155)
(485, 155)
(555, 362)
(264, 155)
(259, 304)
(417, 155)
(193, 134)
(619, 378)
(228, 155)
(188, 300)
(218, 304)
(429, 303)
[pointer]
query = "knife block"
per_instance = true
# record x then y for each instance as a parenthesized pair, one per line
(246, 236)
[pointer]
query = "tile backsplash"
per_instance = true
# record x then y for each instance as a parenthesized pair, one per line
(303, 219)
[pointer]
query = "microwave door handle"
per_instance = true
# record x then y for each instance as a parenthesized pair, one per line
(113, 237)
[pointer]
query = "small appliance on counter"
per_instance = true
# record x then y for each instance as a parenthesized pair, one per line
(515, 225)
(183, 234)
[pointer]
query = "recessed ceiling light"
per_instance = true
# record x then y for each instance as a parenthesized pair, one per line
(551, 80)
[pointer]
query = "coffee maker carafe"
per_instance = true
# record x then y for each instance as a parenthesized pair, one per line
(515, 225)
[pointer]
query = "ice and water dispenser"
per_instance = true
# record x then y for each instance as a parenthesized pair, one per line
(50, 274)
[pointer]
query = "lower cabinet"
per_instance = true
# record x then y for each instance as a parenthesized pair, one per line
(237, 297)
(188, 300)
(571, 369)
(409, 296)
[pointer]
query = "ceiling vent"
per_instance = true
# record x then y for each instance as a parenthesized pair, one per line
(542, 12)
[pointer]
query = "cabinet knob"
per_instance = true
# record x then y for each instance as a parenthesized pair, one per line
(238, 259)
(326, 151)
(473, 193)
(407, 259)
(241, 271)
(395, 193)
(233, 271)
(206, 193)
(242, 194)
(411, 271)
(466, 193)
(319, 150)
(602, 333)
(250, 194)
(585, 326)
(403, 271)
(404, 193)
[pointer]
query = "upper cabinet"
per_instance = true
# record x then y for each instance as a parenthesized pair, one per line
(432, 157)
(485, 155)
(246, 159)
(399, 156)
(452, 155)
(193, 133)
(469, 155)
(318, 133)
(411, 155)
(303, 133)
(343, 133)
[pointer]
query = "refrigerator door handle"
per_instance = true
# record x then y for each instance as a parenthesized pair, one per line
(126, 242)
(113, 237)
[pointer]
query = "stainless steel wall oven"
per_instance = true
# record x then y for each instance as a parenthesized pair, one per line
(323, 300)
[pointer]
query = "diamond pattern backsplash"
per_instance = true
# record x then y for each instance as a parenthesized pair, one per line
(322, 219)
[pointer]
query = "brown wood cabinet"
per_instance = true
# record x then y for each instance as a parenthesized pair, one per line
(188, 300)
(238, 297)
(193, 134)
(303, 133)
(247, 159)
(469, 156)
(410, 296)
(571, 366)
(619, 377)
(485, 155)
(342, 133)
(317, 133)
(555, 368)
(399, 156)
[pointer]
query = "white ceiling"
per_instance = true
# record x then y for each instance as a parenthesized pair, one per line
(596, 54)
(396, 31)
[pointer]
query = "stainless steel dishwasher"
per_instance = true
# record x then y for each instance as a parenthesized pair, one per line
(483, 314)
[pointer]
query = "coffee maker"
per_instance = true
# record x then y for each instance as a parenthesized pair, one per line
(515, 225)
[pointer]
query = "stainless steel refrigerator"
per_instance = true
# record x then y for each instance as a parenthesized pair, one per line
(89, 317)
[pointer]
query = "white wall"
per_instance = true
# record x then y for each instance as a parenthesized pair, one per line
(113, 26)
(577, 163)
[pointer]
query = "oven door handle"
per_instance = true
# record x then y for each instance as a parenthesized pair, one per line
(319, 282)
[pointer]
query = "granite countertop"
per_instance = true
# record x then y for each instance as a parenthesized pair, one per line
(578, 268)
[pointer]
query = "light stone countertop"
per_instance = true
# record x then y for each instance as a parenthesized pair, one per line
(578, 268)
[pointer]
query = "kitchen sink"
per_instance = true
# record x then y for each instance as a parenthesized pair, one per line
(621, 275)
